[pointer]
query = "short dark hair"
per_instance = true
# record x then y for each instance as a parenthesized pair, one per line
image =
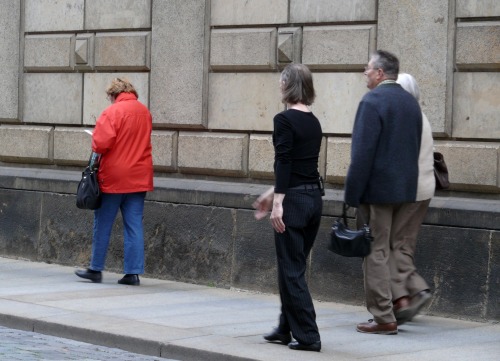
(297, 85)
(386, 61)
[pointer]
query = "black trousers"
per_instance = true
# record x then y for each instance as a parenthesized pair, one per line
(301, 215)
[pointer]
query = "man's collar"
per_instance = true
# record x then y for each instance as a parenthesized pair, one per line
(387, 81)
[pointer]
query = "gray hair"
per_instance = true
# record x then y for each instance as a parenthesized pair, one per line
(297, 85)
(409, 84)
(386, 61)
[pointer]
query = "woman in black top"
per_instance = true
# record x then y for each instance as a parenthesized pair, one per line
(295, 203)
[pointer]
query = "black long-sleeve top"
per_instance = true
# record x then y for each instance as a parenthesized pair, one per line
(297, 142)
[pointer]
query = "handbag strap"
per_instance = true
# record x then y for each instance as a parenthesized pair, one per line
(345, 207)
(94, 161)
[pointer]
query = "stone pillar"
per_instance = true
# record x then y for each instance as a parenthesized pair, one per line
(10, 18)
(418, 33)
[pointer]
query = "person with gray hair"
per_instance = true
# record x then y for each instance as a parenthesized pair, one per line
(382, 183)
(404, 277)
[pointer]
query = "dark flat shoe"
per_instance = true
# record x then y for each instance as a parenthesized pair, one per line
(131, 280)
(275, 335)
(94, 276)
(295, 345)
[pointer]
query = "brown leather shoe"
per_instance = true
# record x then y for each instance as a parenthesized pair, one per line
(402, 310)
(378, 328)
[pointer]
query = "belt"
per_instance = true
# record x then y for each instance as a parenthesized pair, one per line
(306, 187)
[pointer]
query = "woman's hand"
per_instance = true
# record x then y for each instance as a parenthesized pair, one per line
(263, 204)
(277, 213)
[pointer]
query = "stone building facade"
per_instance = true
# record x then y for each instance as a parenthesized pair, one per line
(209, 70)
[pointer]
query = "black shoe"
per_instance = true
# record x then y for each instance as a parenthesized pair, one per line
(295, 345)
(94, 276)
(275, 335)
(130, 279)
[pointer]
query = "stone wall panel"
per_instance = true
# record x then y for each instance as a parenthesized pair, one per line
(261, 156)
(237, 12)
(338, 158)
(179, 62)
(123, 51)
(337, 47)
(72, 145)
(53, 98)
(10, 18)
(338, 96)
(243, 49)
(213, 153)
(118, 14)
(164, 145)
(471, 164)
(50, 15)
(48, 52)
(478, 46)
(319, 11)
(26, 143)
(477, 8)
(243, 101)
(412, 45)
(476, 105)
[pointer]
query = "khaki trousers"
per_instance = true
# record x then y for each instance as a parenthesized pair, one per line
(389, 271)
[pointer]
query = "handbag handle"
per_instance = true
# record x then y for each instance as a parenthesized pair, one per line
(345, 207)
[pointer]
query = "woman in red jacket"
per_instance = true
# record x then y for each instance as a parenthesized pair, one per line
(122, 136)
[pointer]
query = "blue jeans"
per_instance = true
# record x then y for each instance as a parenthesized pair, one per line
(131, 206)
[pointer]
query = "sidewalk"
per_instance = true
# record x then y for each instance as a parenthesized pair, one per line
(190, 322)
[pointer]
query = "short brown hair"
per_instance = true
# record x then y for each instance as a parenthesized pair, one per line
(118, 86)
(297, 85)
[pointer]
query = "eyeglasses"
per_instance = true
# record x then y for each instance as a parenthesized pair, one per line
(368, 68)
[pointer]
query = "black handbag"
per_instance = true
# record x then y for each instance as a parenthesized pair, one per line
(348, 243)
(440, 172)
(88, 193)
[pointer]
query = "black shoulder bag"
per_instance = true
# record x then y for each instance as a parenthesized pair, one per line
(348, 243)
(88, 194)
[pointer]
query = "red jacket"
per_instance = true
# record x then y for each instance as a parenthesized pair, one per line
(122, 135)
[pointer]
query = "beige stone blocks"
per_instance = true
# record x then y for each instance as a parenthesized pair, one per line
(213, 153)
(417, 32)
(471, 165)
(338, 158)
(123, 51)
(10, 20)
(94, 92)
(337, 47)
(118, 14)
(243, 49)
(238, 12)
(476, 105)
(53, 98)
(164, 145)
(319, 11)
(50, 15)
(29, 144)
(48, 52)
(72, 145)
(478, 45)
(243, 101)
(261, 156)
(337, 99)
(477, 8)
(179, 62)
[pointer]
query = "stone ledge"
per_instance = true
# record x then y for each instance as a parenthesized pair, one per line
(454, 209)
